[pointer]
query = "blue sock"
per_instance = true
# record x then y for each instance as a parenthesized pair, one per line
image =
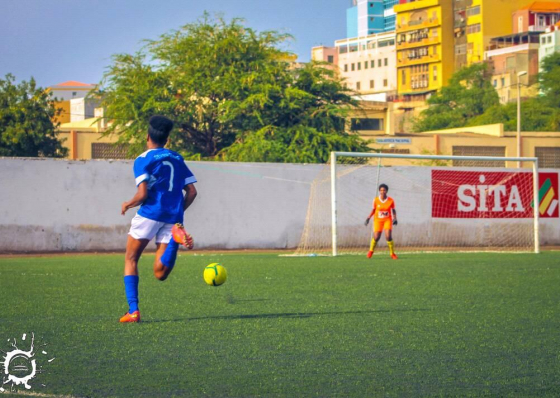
(170, 254)
(131, 290)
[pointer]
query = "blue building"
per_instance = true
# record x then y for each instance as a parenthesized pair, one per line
(367, 17)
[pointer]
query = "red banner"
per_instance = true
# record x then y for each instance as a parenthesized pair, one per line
(490, 194)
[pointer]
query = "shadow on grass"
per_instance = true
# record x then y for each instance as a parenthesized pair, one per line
(287, 315)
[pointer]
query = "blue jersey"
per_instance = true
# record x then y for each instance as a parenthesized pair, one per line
(166, 174)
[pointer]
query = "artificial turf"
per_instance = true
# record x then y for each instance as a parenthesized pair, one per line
(427, 324)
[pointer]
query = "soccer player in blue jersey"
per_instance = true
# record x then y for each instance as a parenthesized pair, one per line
(161, 177)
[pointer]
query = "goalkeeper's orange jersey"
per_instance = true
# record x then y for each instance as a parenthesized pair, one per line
(383, 209)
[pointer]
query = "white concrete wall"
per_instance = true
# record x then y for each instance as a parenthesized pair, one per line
(60, 205)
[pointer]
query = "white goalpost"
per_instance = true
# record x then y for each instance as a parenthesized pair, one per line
(444, 203)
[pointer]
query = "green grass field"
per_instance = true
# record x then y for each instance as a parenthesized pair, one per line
(425, 325)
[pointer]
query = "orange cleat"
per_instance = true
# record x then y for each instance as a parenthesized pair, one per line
(394, 256)
(181, 236)
(369, 254)
(134, 317)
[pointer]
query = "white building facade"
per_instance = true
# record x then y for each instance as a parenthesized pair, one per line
(368, 65)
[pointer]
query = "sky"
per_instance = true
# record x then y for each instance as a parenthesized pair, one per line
(60, 40)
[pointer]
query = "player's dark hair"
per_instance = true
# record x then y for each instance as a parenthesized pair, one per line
(384, 186)
(159, 129)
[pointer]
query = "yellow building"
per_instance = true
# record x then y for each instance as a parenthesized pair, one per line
(424, 46)
(488, 140)
(63, 107)
(476, 22)
(85, 140)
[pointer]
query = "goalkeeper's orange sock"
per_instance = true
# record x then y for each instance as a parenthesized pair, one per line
(372, 245)
(391, 245)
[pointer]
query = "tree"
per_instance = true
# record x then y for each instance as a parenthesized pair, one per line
(549, 79)
(536, 115)
(232, 92)
(26, 126)
(468, 94)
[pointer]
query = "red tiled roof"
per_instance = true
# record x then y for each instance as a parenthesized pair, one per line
(543, 6)
(74, 83)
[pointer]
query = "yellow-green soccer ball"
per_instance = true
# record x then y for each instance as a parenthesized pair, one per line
(215, 274)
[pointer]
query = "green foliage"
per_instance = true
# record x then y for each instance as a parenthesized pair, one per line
(26, 126)
(536, 115)
(468, 94)
(470, 100)
(307, 124)
(227, 86)
(549, 79)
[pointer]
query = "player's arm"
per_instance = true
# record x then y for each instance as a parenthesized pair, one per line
(137, 199)
(189, 196)
(370, 216)
(394, 216)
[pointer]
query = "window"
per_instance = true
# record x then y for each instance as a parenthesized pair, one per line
(379, 62)
(371, 19)
(74, 93)
(495, 83)
(365, 64)
(372, 63)
(359, 66)
(403, 76)
(330, 59)
(549, 157)
(367, 124)
(549, 39)
(385, 83)
(358, 86)
(434, 73)
(386, 62)
(503, 81)
(473, 11)
(435, 50)
(371, 4)
(473, 28)
(371, 84)
(497, 151)
(345, 67)
(353, 67)
(460, 49)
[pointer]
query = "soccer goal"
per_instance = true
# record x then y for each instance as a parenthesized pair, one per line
(443, 203)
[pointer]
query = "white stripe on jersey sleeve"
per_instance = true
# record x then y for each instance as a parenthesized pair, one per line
(142, 178)
(189, 180)
(145, 153)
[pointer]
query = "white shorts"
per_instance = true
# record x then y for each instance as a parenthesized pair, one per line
(144, 228)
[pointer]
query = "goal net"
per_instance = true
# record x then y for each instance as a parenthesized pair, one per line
(443, 203)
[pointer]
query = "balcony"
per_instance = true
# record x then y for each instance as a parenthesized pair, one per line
(418, 24)
(419, 43)
(418, 61)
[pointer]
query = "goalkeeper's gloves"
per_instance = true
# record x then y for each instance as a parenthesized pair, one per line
(367, 222)
(395, 222)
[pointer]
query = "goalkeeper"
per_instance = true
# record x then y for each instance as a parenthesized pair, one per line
(385, 216)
